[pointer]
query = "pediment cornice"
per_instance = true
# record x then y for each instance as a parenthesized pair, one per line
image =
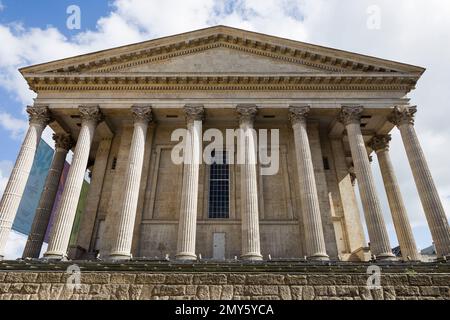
(157, 82)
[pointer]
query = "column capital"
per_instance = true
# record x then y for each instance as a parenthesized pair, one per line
(63, 141)
(246, 113)
(142, 114)
(39, 115)
(380, 142)
(298, 113)
(403, 115)
(350, 114)
(91, 114)
(194, 112)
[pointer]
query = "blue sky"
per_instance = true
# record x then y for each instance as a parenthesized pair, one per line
(35, 31)
(39, 14)
(42, 13)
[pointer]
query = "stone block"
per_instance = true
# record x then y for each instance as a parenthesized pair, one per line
(430, 291)
(253, 290)
(179, 278)
(135, 291)
(215, 292)
(321, 280)
(122, 278)
(262, 279)
(203, 292)
(285, 292)
(406, 291)
(420, 280)
(21, 277)
(150, 278)
(297, 292)
(227, 292)
(394, 280)
(295, 279)
(236, 278)
(308, 293)
(270, 290)
(4, 288)
(441, 279)
(173, 290)
(30, 288)
(210, 278)
(95, 277)
(146, 292)
(49, 277)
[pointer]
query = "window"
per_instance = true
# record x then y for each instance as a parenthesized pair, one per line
(219, 186)
(326, 163)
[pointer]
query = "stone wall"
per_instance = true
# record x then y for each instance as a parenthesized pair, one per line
(321, 284)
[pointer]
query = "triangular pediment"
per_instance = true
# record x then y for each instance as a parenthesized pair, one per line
(219, 49)
(219, 60)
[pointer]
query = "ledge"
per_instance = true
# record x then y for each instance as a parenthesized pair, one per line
(274, 266)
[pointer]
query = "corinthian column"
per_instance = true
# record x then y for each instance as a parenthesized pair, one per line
(380, 144)
(251, 249)
(403, 118)
(127, 215)
(379, 241)
(39, 117)
(192, 157)
(315, 242)
(60, 234)
(63, 143)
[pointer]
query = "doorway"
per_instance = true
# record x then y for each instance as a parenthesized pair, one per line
(219, 246)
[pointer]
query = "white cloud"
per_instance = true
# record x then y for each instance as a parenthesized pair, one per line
(5, 170)
(407, 34)
(15, 126)
(15, 245)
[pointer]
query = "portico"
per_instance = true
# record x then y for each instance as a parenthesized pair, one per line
(121, 106)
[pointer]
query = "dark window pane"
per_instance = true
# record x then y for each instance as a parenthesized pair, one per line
(219, 193)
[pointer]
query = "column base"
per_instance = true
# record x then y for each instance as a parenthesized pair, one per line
(252, 257)
(444, 258)
(54, 256)
(2, 258)
(186, 256)
(386, 257)
(120, 256)
(318, 257)
(409, 259)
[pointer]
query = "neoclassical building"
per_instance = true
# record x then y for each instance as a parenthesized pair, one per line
(117, 109)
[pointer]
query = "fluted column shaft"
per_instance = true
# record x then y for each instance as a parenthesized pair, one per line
(403, 117)
(376, 227)
(42, 216)
(315, 241)
(380, 144)
(62, 227)
(39, 118)
(127, 215)
(187, 226)
(251, 248)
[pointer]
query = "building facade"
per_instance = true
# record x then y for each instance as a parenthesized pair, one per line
(118, 110)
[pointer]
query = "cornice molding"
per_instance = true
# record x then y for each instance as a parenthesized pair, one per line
(164, 82)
